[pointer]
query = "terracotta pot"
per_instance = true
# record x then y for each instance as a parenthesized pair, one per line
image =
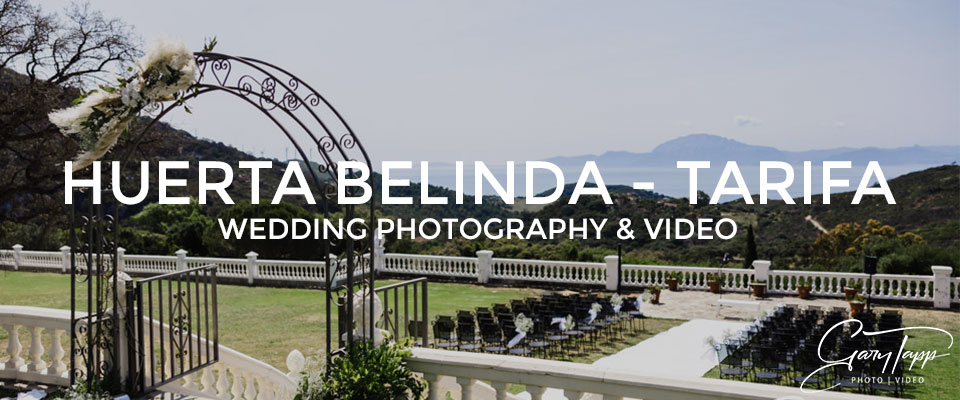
(804, 291)
(849, 293)
(714, 286)
(856, 306)
(655, 299)
(672, 284)
(759, 289)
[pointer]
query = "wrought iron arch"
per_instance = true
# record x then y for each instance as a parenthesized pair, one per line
(306, 118)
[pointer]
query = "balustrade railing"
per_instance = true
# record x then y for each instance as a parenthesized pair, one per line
(484, 268)
(695, 278)
(548, 271)
(431, 265)
(149, 264)
(36, 342)
(234, 376)
(465, 375)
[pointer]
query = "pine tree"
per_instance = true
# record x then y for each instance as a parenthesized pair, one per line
(750, 252)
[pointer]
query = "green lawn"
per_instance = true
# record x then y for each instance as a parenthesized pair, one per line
(266, 323)
(939, 375)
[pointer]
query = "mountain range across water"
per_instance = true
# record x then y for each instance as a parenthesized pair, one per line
(707, 147)
(659, 165)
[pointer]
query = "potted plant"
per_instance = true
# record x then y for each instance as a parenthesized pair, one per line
(672, 279)
(851, 291)
(804, 286)
(654, 294)
(759, 288)
(856, 304)
(713, 280)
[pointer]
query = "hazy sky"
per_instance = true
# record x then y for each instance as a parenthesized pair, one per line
(522, 80)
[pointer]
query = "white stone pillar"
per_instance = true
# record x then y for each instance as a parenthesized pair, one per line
(181, 259)
(941, 286)
(253, 272)
(484, 263)
(378, 252)
(611, 261)
(17, 248)
(120, 313)
(121, 264)
(65, 259)
(761, 270)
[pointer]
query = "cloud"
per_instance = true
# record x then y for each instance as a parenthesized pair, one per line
(840, 124)
(746, 120)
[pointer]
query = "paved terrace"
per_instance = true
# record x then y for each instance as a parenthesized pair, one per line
(691, 304)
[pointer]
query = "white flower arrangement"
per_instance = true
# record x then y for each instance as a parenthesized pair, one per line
(616, 300)
(523, 323)
(98, 118)
(596, 307)
(569, 322)
(645, 297)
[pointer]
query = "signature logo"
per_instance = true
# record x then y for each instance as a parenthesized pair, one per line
(889, 359)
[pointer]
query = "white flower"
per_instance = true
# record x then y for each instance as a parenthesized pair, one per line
(173, 52)
(596, 307)
(163, 53)
(616, 300)
(569, 322)
(70, 120)
(646, 297)
(130, 94)
(168, 68)
(523, 323)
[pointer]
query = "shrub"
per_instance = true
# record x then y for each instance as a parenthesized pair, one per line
(365, 372)
(915, 260)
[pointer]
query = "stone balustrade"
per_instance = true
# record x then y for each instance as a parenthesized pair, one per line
(938, 289)
(37, 347)
(463, 375)
(37, 344)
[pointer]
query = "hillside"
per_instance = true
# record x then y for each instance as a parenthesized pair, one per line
(925, 199)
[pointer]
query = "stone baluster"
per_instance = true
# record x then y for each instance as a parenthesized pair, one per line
(572, 394)
(466, 387)
(251, 391)
(501, 389)
(57, 366)
(190, 381)
(536, 392)
(433, 386)
(237, 389)
(207, 382)
(266, 389)
(36, 350)
(222, 384)
(13, 347)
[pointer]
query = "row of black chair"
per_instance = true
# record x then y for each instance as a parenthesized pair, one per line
(788, 347)
(491, 329)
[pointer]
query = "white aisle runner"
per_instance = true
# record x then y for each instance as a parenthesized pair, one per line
(681, 351)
